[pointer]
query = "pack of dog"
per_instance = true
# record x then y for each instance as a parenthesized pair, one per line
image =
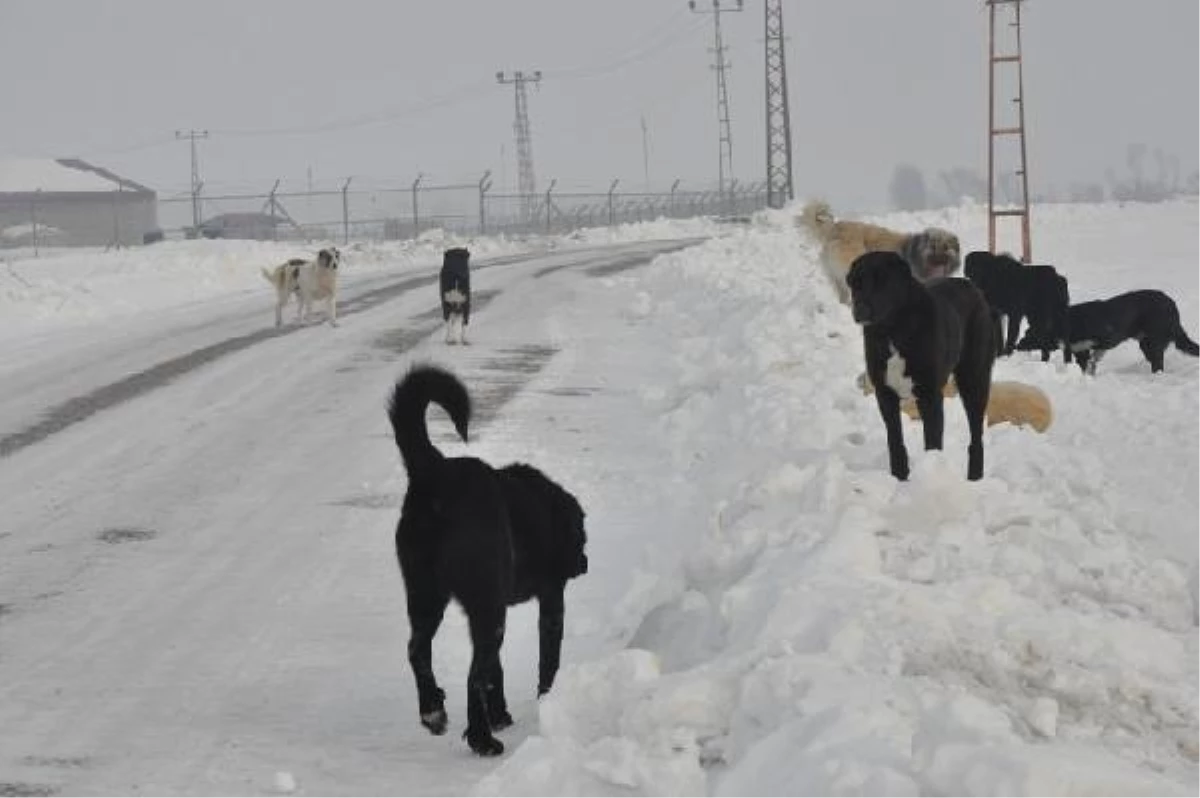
(915, 336)
(454, 288)
(309, 281)
(485, 537)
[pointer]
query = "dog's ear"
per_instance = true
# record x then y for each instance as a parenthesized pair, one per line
(571, 537)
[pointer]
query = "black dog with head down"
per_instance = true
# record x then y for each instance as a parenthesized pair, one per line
(1149, 316)
(914, 337)
(485, 537)
(1016, 291)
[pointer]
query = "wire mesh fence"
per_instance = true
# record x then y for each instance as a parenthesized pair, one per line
(396, 212)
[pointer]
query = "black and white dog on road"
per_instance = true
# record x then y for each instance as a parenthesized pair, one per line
(485, 537)
(1148, 316)
(915, 336)
(454, 286)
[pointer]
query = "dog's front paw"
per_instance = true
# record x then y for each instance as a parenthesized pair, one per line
(435, 720)
(483, 743)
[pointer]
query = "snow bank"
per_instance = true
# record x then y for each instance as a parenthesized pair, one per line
(836, 632)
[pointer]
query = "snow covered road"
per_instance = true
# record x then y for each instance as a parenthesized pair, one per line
(197, 586)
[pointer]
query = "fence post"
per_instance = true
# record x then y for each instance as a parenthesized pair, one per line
(548, 190)
(674, 186)
(416, 216)
(485, 183)
(611, 189)
(346, 212)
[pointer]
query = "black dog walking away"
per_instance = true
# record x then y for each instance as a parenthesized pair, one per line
(914, 337)
(485, 537)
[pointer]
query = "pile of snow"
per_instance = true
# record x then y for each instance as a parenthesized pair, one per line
(25, 235)
(827, 630)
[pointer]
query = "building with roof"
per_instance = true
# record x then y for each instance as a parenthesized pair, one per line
(70, 202)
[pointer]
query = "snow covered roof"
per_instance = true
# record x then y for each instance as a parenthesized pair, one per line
(62, 175)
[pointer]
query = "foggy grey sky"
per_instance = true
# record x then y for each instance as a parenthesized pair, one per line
(872, 83)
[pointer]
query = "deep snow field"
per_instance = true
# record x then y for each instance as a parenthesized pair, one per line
(768, 611)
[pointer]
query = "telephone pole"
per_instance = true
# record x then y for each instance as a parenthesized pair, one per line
(779, 122)
(526, 182)
(193, 135)
(724, 136)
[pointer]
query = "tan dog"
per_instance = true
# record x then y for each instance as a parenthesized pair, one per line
(1009, 402)
(932, 252)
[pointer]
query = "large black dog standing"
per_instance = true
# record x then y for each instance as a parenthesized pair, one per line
(454, 286)
(914, 337)
(485, 537)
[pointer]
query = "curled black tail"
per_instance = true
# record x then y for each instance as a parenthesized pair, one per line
(412, 396)
(1185, 344)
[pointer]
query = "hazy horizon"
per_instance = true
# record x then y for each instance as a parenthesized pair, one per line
(384, 91)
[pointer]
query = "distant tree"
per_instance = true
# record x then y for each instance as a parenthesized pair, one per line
(1192, 184)
(1086, 192)
(907, 189)
(962, 183)
(1138, 186)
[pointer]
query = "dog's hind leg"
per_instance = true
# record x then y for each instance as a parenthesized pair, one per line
(425, 616)
(487, 632)
(1154, 350)
(550, 635)
(497, 703)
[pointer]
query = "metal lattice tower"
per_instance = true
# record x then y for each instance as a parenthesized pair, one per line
(1018, 129)
(526, 181)
(724, 134)
(196, 182)
(779, 121)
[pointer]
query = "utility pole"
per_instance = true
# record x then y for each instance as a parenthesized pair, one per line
(196, 183)
(1017, 129)
(724, 136)
(779, 121)
(526, 182)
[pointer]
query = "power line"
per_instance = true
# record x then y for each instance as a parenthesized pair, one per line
(652, 49)
(363, 120)
(158, 141)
